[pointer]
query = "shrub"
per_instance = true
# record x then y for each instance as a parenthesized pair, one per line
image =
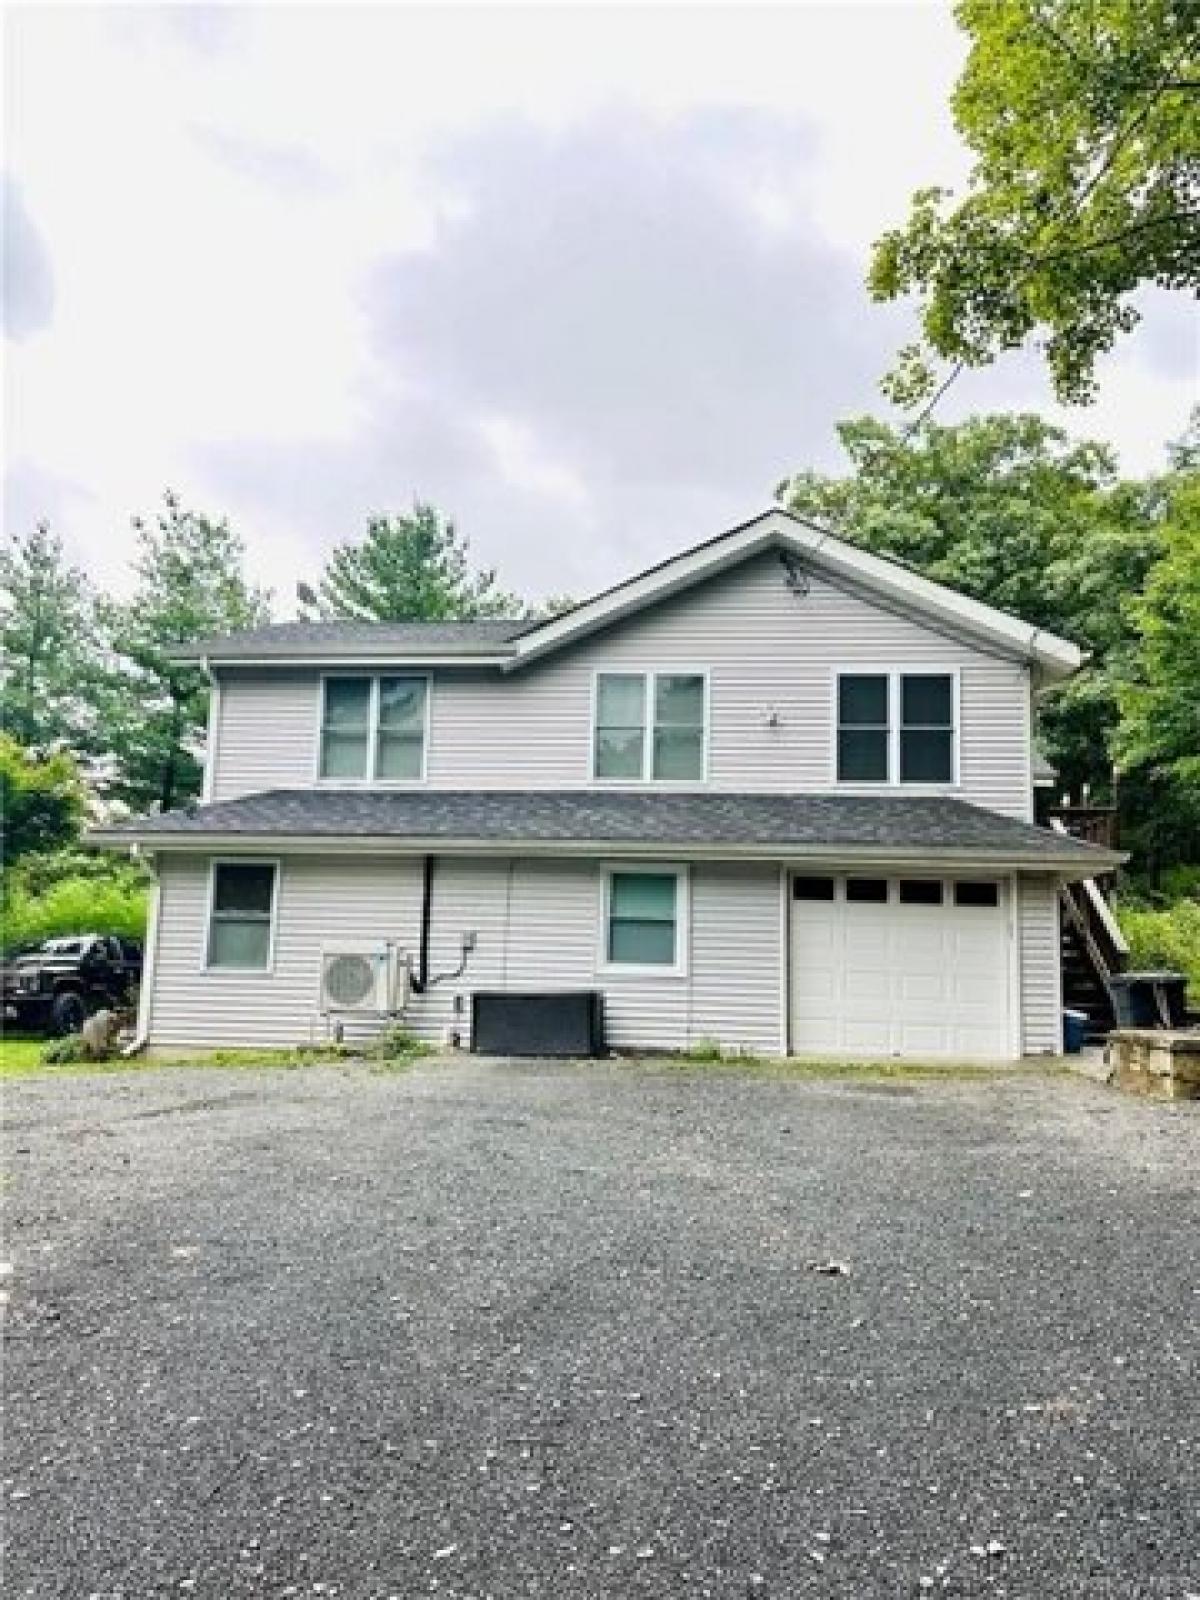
(705, 1050)
(70, 1048)
(1169, 937)
(395, 1044)
(103, 904)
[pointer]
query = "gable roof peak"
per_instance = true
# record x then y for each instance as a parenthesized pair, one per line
(825, 550)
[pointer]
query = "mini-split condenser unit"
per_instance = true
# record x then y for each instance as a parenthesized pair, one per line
(364, 977)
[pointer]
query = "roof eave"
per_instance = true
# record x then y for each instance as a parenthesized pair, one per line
(1069, 865)
(334, 660)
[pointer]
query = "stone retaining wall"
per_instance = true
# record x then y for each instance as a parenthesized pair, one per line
(1161, 1064)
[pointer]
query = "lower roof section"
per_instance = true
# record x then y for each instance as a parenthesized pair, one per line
(883, 827)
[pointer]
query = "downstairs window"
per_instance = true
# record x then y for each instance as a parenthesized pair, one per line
(644, 919)
(241, 916)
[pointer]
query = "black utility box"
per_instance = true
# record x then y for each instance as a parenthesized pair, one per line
(1149, 999)
(508, 1024)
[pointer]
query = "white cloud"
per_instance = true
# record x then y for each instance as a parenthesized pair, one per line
(310, 261)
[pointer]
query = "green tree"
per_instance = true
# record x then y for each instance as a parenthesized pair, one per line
(410, 568)
(1011, 511)
(1160, 695)
(47, 616)
(41, 801)
(191, 584)
(1084, 119)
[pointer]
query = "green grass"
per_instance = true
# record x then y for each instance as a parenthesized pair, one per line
(22, 1058)
(19, 1056)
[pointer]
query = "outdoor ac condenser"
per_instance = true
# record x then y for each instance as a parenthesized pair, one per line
(363, 977)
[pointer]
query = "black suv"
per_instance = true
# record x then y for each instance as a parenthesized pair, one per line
(57, 984)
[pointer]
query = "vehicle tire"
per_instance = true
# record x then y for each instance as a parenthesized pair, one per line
(68, 1013)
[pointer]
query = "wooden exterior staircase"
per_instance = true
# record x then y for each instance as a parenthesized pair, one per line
(1093, 948)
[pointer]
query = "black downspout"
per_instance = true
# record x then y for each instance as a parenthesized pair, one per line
(422, 979)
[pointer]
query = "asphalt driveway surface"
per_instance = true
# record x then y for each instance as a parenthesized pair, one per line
(484, 1329)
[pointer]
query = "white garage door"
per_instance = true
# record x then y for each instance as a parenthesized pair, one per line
(901, 967)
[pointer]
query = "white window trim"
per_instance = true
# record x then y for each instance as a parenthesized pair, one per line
(893, 676)
(683, 918)
(649, 677)
(241, 861)
(372, 676)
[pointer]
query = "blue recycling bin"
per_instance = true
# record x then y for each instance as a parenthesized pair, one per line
(1074, 1031)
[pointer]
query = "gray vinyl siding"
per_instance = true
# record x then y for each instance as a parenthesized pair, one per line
(1040, 970)
(537, 925)
(319, 901)
(767, 651)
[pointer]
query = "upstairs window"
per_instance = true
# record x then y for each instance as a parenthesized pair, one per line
(896, 727)
(926, 727)
(650, 726)
(373, 728)
(620, 725)
(400, 728)
(863, 734)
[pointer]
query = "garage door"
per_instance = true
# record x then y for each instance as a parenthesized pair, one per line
(900, 967)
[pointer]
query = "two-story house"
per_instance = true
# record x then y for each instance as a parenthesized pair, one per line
(775, 792)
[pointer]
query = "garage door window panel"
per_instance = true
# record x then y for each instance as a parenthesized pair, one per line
(867, 891)
(971, 893)
(920, 892)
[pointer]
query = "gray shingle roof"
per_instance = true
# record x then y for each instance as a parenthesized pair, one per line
(364, 639)
(541, 818)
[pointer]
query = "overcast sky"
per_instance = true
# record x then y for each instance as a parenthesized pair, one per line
(590, 280)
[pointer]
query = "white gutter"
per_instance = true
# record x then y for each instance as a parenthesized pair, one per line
(343, 658)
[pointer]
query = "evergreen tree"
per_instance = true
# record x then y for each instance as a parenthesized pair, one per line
(47, 614)
(410, 568)
(191, 584)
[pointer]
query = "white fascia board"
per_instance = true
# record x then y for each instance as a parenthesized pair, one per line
(1068, 867)
(1056, 657)
(338, 660)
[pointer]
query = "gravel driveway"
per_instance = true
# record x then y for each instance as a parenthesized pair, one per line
(488, 1329)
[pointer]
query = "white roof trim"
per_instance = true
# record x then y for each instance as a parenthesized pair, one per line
(368, 661)
(924, 856)
(1056, 657)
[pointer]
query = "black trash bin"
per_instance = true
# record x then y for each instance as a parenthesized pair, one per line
(1149, 999)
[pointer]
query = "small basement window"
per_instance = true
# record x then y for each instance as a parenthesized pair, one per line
(969, 892)
(872, 890)
(241, 916)
(920, 892)
(812, 888)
